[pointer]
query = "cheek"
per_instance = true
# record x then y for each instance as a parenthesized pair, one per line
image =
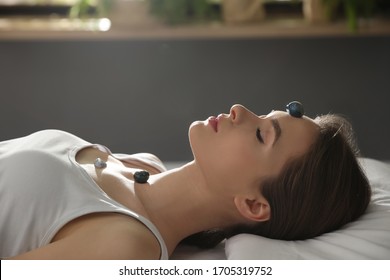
(228, 160)
(231, 164)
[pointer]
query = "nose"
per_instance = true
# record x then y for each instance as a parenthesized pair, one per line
(238, 113)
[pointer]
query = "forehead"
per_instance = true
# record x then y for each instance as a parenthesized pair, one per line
(282, 115)
(297, 134)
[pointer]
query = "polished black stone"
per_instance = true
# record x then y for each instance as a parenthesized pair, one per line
(141, 176)
(295, 109)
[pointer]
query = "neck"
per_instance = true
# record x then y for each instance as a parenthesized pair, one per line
(179, 202)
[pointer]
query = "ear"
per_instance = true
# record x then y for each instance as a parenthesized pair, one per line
(254, 209)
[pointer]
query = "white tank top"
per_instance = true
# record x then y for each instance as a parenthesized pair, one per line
(42, 188)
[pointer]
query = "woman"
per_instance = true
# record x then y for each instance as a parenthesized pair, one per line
(281, 175)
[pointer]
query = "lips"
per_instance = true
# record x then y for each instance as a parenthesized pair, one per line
(213, 121)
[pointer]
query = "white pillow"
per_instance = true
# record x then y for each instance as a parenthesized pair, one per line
(366, 238)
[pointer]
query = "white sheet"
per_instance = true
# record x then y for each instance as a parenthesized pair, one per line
(192, 253)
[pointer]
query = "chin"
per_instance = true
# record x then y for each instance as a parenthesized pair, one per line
(192, 134)
(197, 137)
(195, 129)
(195, 124)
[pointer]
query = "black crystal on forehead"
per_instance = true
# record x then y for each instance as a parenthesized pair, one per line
(295, 109)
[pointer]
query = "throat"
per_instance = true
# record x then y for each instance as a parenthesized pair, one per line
(180, 205)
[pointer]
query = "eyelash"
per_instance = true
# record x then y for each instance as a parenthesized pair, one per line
(258, 135)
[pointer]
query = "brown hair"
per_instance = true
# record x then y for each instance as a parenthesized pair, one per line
(315, 193)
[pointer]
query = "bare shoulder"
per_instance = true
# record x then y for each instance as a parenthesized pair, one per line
(101, 236)
(130, 239)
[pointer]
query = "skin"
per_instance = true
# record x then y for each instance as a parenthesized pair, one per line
(219, 188)
(235, 149)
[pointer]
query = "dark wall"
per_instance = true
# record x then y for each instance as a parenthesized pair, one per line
(141, 95)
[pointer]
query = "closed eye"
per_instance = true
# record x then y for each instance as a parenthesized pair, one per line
(258, 135)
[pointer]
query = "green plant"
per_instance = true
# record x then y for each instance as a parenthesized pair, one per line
(84, 8)
(353, 10)
(182, 11)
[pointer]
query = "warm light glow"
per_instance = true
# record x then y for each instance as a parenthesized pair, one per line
(104, 24)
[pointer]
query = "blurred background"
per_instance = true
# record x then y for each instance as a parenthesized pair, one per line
(134, 74)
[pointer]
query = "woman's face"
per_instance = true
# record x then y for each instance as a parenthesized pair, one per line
(240, 148)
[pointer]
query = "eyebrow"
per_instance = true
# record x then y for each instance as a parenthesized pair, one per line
(278, 130)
